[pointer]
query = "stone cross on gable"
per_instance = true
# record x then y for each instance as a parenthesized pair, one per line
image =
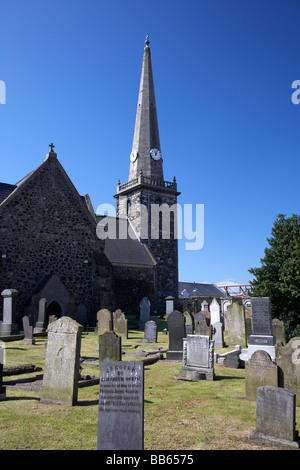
(52, 146)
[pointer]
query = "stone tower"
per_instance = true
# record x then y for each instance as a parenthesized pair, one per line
(147, 199)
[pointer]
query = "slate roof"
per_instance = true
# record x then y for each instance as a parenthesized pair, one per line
(5, 190)
(199, 289)
(129, 251)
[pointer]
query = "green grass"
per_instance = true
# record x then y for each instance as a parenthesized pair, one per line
(179, 415)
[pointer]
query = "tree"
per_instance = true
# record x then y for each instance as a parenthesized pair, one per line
(279, 275)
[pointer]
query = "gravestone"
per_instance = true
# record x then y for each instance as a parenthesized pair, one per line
(120, 324)
(278, 331)
(199, 316)
(41, 324)
(8, 326)
(150, 332)
(110, 347)
(198, 359)
(231, 359)
(176, 327)
(236, 324)
(144, 312)
(288, 361)
(189, 324)
(218, 334)
(169, 304)
(104, 321)
(201, 328)
(121, 406)
(27, 331)
(276, 417)
(248, 327)
(2, 356)
(262, 332)
(61, 373)
(214, 309)
(260, 371)
(204, 306)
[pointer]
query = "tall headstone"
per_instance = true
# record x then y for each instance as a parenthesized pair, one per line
(2, 356)
(169, 304)
(110, 347)
(260, 371)
(218, 334)
(204, 306)
(288, 361)
(279, 331)
(28, 330)
(201, 328)
(120, 324)
(41, 324)
(104, 321)
(275, 417)
(189, 323)
(214, 309)
(236, 324)
(8, 326)
(262, 332)
(145, 305)
(150, 332)
(198, 358)
(121, 406)
(176, 327)
(61, 374)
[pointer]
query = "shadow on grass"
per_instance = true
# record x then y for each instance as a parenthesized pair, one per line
(21, 398)
(87, 402)
(225, 377)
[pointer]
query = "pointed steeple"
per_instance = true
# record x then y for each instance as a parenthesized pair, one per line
(146, 152)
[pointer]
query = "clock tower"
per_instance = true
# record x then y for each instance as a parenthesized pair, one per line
(147, 200)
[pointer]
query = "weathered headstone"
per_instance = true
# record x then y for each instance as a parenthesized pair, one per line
(288, 361)
(169, 304)
(110, 347)
(176, 327)
(145, 305)
(204, 306)
(8, 326)
(121, 406)
(262, 333)
(2, 355)
(189, 324)
(28, 329)
(275, 417)
(61, 373)
(104, 321)
(279, 331)
(214, 309)
(120, 324)
(150, 332)
(201, 328)
(231, 359)
(218, 334)
(260, 371)
(199, 316)
(41, 324)
(236, 324)
(198, 358)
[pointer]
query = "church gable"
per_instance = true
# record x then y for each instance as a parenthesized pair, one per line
(48, 229)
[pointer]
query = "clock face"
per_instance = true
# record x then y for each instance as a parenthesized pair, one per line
(155, 154)
(133, 155)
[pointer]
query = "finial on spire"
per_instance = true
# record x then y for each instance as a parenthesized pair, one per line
(147, 40)
(52, 146)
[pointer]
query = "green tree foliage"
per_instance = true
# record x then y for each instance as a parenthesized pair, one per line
(279, 275)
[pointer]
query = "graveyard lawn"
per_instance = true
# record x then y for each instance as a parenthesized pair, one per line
(179, 415)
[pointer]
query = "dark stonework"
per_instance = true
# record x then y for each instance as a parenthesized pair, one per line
(261, 317)
(121, 406)
(275, 417)
(176, 327)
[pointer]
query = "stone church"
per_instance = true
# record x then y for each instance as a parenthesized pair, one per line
(50, 248)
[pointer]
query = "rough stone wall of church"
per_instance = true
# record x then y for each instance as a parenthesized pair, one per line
(44, 231)
(165, 251)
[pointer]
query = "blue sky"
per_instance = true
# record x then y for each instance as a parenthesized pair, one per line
(223, 72)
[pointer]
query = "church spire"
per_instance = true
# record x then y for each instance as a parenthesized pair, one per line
(146, 152)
